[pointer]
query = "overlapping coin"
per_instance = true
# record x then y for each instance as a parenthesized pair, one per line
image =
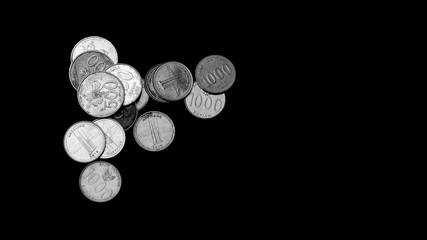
(172, 81)
(131, 81)
(154, 131)
(115, 136)
(215, 74)
(202, 104)
(150, 86)
(95, 43)
(126, 116)
(143, 99)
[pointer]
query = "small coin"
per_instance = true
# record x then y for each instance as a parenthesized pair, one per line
(100, 181)
(150, 86)
(154, 131)
(173, 81)
(101, 94)
(127, 116)
(215, 74)
(115, 136)
(143, 99)
(87, 63)
(95, 43)
(84, 142)
(131, 81)
(202, 104)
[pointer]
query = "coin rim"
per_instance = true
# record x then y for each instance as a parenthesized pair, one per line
(81, 40)
(139, 99)
(124, 134)
(125, 64)
(198, 79)
(133, 120)
(148, 80)
(187, 92)
(185, 102)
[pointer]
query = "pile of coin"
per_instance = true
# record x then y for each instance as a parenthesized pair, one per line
(113, 93)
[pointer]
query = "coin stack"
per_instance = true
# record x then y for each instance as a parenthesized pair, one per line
(114, 92)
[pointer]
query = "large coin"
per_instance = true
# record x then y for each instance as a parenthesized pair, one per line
(100, 181)
(143, 99)
(215, 74)
(131, 81)
(202, 104)
(84, 141)
(154, 131)
(127, 116)
(101, 94)
(115, 136)
(87, 63)
(173, 81)
(150, 86)
(95, 43)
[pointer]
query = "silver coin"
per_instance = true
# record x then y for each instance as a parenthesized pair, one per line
(101, 94)
(95, 43)
(143, 99)
(154, 131)
(131, 81)
(100, 181)
(115, 136)
(215, 74)
(150, 86)
(127, 116)
(173, 81)
(202, 104)
(84, 142)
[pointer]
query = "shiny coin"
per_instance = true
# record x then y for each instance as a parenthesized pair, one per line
(87, 63)
(115, 136)
(131, 81)
(101, 94)
(143, 99)
(202, 104)
(173, 81)
(154, 131)
(84, 141)
(100, 181)
(95, 43)
(127, 116)
(150, 86)
(215, 74)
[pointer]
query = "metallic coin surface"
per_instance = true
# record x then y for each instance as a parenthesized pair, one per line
(215, 74)
(150, 86)
(173, 81)
(95, 43)
(101, 94)
(127, 116)
(115, 136)
(202, 104)
(154, 131)
(87, 63)
(131, 81)
(143, 99)
(100, 181)
(84, 142)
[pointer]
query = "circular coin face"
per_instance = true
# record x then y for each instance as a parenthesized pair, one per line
(202, 104)
(115, 136)
(173, 81)
(95, 43)
(143, 99)
(127, 116)
(101, 94)
(150, 86)
(87, 63)
(154, 131)
(131, 81)
(215, 74)
(84, 142)
(100, 181)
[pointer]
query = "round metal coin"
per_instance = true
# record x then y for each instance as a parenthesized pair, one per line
(150, 86)
(127, 116)
(131, 81)
(215, 74)
(143, 99)
(202, 104)
(154, 131)
(115, 136)
(173, 81)
(95, 43)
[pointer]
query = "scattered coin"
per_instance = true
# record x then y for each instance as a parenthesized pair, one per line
(95, 43)
(173, 81)
(143, 99)
(131, 81)
(202, 104)
(215, 74)
(150, 86)
(154, 131)
(115, 136)
(127, 116)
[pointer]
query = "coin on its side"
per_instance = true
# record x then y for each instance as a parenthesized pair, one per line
(115, 136)
(143, 99)
(131, 81)
(154, 131)
(126, 116)
(95, 43)
(173, 81)
(150, 86)
(202, 104)
(100, 181)
(215, 74)
(84, 142)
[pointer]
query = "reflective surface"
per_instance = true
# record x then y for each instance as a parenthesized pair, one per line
(154, 131)
(115, 136)
(131, 81)
(202, 104)
(173, 81)
(215, 74)
(95, 43)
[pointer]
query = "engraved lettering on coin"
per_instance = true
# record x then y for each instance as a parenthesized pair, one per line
(173, 81)
(95, 43)
(127, 116)
(115, 136)
(154, 131)
(131, 81)
(215, 74)
(150, 86)
(202, 104)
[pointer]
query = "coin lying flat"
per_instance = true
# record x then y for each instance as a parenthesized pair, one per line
(143, 99)
(131, 81)
(202, 104)
(87, 63)
(154, 131)
(215, 74)
(100, 181)
(173, 81)
(126, 116)
(95, 43)
(101, 94)
(84, 141)
(115, 136)
(150, 86)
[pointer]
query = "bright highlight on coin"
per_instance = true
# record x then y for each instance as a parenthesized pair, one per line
(215, 74)
(154, 131)
(131, 81)
(202, 104)
(115, 136)
(173, 81)
(95, 43)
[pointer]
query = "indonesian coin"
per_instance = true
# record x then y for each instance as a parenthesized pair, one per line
(115, 136)
(131, 81)
(215, 74)
(173, 81)
(126, 116)
(95, 43)
(143, 99)
(154, 131)
(150, 86)
(202, 104)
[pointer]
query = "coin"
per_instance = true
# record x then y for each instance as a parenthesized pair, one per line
(202, 104)
(143, 99)
(173, 81)
(101, 94)
(100, 181)
(115, 136)
(84, 141)
(154, 131)
(87, 63)
(95, 43)
(215, 74)
(131, 81)
(149, 85)
(127, 116)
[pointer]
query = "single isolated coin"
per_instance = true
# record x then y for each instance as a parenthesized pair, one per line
(150, 86)
(173, 81)
(100, 181)
(84, 142)
(202, 104)
(115, 136)
(131, 81)
(215, 74)
(126, 116)
(154, 131)
(95, 43)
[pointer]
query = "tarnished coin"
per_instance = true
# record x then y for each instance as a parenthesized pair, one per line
(127, 116)
(215, 74)
(173, 81)
(95, 43)
(84, 141)
(115, 136)
(154, 131)
(143, 99)
(150, 86)
(87, 63)
(202, 104)
(131, 81)
(100, 181)
(101, 94)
